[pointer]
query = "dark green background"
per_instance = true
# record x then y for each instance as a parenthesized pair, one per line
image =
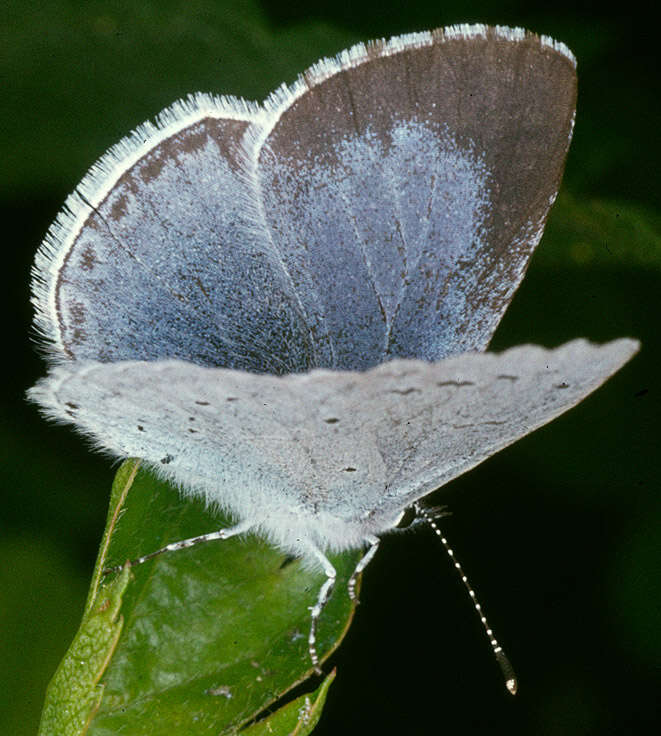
(559, 534)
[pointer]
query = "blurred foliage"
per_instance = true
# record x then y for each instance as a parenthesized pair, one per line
(559, 533)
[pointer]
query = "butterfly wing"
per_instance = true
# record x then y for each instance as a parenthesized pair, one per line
(407, 183)
(384, 206)
(327, 455)
(468, 407)
(164, 233)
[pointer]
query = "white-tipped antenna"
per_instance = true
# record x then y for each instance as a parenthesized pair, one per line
(506, 668)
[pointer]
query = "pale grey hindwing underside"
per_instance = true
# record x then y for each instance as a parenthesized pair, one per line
(357, 446)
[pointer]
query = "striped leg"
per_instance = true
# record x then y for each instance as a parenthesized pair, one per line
(362, 564)
(315, 611)
(226, 533)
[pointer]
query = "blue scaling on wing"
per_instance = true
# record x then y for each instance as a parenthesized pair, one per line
(171, 259)
(407, 196)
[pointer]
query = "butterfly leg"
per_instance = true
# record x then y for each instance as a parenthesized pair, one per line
(315, 611)
(362, 564)
(226, 533)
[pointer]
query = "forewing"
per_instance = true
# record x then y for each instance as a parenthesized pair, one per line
(407, 183)
(164, 234)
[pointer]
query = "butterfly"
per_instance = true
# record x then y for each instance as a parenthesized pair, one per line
(285, 308)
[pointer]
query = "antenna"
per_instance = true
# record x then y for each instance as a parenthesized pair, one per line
(503, 662)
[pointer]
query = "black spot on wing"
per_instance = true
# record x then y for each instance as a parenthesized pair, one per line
(404, 391)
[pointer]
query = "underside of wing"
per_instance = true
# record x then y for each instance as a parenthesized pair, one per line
(344, 448)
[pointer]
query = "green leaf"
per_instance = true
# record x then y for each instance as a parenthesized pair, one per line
(198, 641)
(75, 693)
(297, 718)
